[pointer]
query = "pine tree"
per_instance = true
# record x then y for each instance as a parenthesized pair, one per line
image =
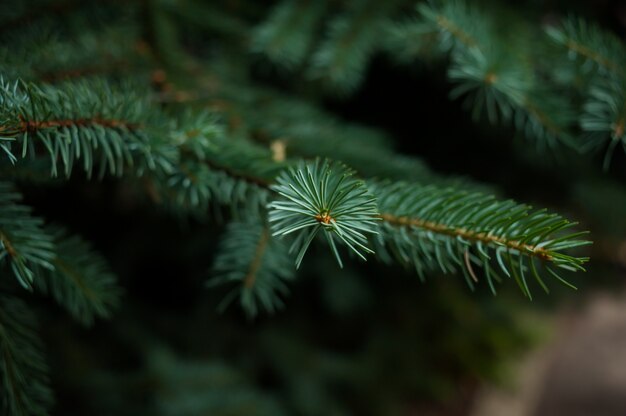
(218, 113)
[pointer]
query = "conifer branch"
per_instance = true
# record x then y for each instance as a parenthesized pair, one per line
(286, 36)
(24, 246)
(543, 118)
(604, 116)
(88, 121)
(24, 380)
(456, 31)
(590, 54)
(496, 78)
(257, 263)
(604, 82)
(80, 281)
(279, 202)
(323, 197)
(250, 278)
(470, 235)
(459, 25)
(31, 126)
(491, 237)
(591, 43)
(215, 169)
(444, 228)
(341, 59)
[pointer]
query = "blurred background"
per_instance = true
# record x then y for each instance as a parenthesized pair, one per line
(369, 339)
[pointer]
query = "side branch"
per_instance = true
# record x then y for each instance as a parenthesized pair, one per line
(255, 265)
(76, 277)
(7, 245)
(33, 125)
(486, 238)
(591, 54)
(456, 31)
(542, 118)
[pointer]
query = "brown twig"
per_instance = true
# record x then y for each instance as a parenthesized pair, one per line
(7, 245)
(255, 265)
(34, 125)
(487, 238)
(591, 54)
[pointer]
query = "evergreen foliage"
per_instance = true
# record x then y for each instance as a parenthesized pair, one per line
(257, 263)
(427, 227)
(323, 197)
(25, 245)
(160, 98)
(86, 121)
(80, 280)
(23, 371)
